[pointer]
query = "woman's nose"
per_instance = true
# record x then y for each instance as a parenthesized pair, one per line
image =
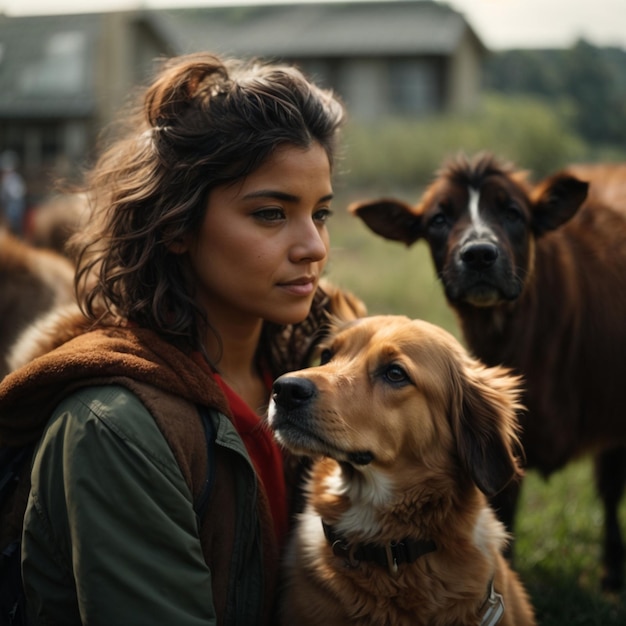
(311, 244)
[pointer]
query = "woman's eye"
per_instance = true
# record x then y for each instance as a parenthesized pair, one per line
(269, 214)
(321, 216)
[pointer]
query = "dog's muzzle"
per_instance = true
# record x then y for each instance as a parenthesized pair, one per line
(291, 392)
(291, 417)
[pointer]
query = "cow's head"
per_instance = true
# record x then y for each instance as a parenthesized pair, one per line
(481, 220)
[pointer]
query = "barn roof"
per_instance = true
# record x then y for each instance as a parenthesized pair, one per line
(48, 63)
(327, 29)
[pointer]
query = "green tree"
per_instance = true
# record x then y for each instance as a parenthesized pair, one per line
(592, 78)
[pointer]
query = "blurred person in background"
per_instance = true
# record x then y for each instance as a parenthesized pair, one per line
(12, 193)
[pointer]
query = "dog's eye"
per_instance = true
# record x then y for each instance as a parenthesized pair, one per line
(325, 356)
(395, 374)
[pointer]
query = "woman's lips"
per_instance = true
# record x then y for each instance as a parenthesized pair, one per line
(299, 286)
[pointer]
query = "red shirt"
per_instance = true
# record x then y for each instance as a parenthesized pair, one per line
(264, 453)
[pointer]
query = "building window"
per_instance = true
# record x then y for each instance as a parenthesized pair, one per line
(413, 86)
(62, 69)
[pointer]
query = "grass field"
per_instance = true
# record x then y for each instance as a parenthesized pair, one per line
(558, 544)
(559, 525)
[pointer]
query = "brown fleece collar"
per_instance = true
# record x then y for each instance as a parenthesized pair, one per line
(29, 395)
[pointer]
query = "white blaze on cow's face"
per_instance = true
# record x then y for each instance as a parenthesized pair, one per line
(478, 228)
(474, 201)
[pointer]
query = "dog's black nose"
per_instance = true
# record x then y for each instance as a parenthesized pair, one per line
(290, 392)
(479, 255)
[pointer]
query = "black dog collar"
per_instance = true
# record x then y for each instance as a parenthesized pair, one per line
(389, 555)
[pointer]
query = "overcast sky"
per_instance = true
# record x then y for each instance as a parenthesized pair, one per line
(499, 23)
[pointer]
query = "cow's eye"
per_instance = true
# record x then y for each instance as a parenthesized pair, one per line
(513, 214)
(438, 221)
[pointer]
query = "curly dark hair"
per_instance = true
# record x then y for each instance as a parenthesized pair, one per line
(203, 122)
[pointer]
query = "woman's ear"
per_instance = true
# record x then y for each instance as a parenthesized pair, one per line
(180, 245)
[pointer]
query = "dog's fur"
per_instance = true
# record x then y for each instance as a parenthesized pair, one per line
(536, 274)
(410, 435)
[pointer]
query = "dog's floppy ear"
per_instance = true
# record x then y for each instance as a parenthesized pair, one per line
(342, 305)
(486, 427)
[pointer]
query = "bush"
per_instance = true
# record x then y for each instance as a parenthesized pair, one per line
(406, 152)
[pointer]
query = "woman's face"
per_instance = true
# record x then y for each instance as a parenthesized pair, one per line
(263, 244)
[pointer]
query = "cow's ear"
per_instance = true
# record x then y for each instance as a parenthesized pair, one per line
(391, 219)
(556, 201)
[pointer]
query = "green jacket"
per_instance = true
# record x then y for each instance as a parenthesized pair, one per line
(110, 532)
(140, 536)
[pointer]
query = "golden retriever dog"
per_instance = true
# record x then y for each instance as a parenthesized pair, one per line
(410, 436)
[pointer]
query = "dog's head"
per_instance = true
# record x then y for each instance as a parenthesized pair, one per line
(401, 395)
(480, 219)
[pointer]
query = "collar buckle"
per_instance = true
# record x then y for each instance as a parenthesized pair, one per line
(342, 549)
(392, 560)
(495, 608)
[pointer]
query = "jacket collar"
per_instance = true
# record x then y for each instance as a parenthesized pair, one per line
(29, 395)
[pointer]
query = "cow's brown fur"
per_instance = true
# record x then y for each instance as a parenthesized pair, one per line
(546, 298)
(32, 282)
(54, 221)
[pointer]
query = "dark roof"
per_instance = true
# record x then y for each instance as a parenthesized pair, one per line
(326, 29)
(47, 65)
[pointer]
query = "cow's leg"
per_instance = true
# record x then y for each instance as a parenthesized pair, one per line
(610, 473)
(505, 506)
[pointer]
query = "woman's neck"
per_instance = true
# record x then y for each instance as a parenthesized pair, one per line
(237, 363)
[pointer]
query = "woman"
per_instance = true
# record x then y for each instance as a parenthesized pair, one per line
(198, 277)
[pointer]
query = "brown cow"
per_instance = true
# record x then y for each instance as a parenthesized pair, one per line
(32, 282)
(537, 277)
(52, 222)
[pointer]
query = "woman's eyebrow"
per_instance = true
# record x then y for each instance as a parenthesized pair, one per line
(281, 195)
